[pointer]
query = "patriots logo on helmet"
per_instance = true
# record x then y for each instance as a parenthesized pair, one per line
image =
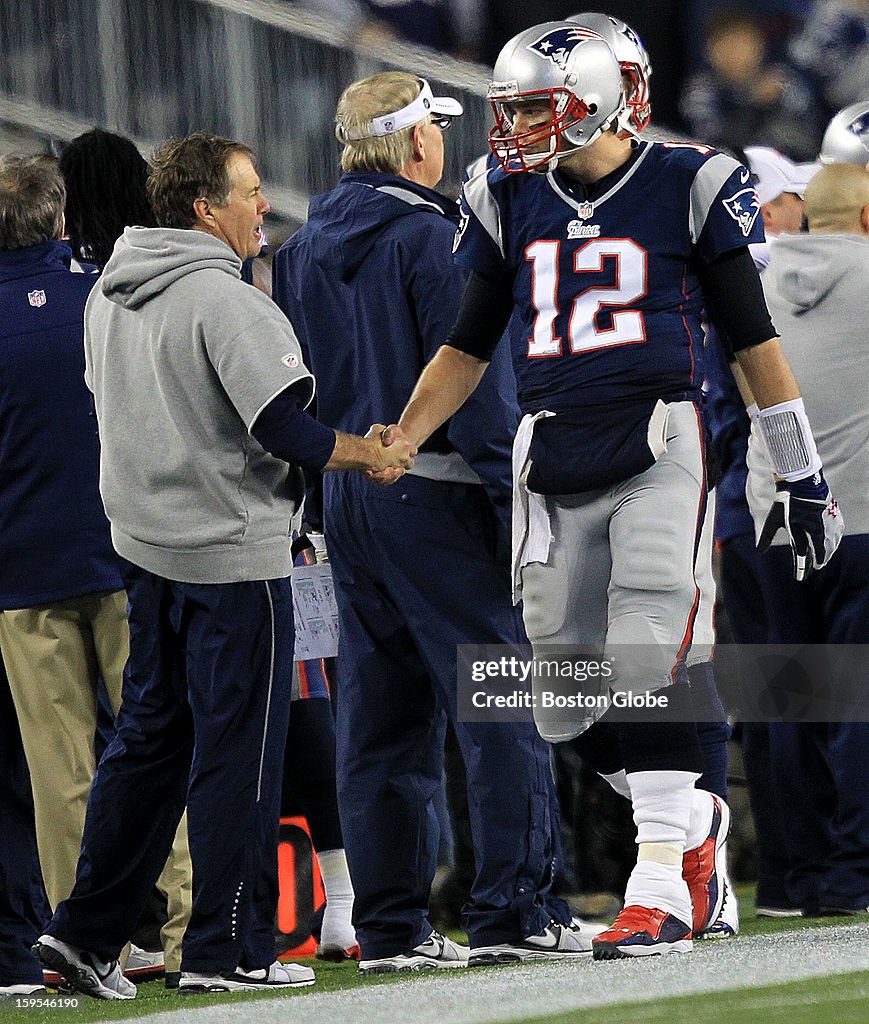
(743, 206)
(559, 43)
(860, 124)
(633, 37)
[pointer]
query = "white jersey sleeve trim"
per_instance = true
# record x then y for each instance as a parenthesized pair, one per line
(482, 204)
(707, 183)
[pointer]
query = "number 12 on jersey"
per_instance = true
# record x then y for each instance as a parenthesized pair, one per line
(631, 271)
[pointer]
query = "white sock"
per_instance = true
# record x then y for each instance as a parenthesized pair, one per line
(702, 809)
(337, 925)
(619, 782)
(659, 887)
(662, 803)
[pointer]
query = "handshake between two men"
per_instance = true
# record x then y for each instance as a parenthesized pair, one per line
(396, 450)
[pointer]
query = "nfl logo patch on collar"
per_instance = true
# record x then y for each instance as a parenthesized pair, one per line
(36, 297)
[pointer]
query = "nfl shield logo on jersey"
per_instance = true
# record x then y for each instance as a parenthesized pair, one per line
(36, 298)
(743, 207)
(558, 44)
(585, 210)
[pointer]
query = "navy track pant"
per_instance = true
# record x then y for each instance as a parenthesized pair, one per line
(204, 720)
(416, 575)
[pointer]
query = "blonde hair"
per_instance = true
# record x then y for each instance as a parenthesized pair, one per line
(361, 102)
(835, 197)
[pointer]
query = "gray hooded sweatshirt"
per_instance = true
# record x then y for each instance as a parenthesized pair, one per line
(817, 288)
(182, 356)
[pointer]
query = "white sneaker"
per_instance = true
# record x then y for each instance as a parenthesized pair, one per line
(555, 942)
(83, 971)
(435, 954)
(277, 976)
(21, 989)
(143, 964)
(586, 930)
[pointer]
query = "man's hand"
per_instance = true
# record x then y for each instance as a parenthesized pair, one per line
(811, 516)
(394, 451)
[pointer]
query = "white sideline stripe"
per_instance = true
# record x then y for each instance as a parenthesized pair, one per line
(503, 994)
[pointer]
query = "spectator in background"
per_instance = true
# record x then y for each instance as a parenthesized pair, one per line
(105, 177)
(833, 47)
(450, 26)
(741, 97)
(816, 286)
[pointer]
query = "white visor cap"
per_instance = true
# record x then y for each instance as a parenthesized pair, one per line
(776, 174)
(424, 104)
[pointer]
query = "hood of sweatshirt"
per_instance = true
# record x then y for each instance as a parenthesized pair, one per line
(347, 222)
(804, 268)
(145, 261)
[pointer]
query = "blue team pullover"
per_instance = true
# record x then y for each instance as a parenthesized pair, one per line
(370, 286)
(54, 535)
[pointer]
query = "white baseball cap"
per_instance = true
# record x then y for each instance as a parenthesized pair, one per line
(425, 103)
(774, 173)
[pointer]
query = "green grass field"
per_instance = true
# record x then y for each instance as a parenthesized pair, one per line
(840, 999)
(834, 999)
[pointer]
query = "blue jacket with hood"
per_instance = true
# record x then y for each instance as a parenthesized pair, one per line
(371, 289)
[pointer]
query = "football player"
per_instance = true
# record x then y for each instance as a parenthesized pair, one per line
(846, 140)
(713, 730)
(608, 248)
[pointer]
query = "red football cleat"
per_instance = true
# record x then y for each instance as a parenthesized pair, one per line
(638, 931)
(705, 870)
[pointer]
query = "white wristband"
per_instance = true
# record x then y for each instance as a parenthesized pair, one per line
(789, 440)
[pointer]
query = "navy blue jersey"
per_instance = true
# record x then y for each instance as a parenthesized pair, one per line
(54, 535)
(608, 301)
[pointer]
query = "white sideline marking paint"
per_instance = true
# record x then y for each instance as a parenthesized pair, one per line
(503, 994)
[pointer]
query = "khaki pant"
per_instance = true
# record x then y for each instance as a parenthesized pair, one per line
(53, 656)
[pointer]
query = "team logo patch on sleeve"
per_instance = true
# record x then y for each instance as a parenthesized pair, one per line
(290, 359)
(463, 223)
(558, 44)
(36, 298)
(743, 207)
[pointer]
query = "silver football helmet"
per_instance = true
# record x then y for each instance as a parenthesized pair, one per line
(567, 66)
(846, 140)
(633, 60)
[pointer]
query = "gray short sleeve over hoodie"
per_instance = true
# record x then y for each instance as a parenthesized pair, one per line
(182, 356)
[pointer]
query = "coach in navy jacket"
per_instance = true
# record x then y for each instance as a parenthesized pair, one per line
(370, 286)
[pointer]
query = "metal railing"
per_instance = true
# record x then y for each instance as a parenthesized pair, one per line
(257, 70)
